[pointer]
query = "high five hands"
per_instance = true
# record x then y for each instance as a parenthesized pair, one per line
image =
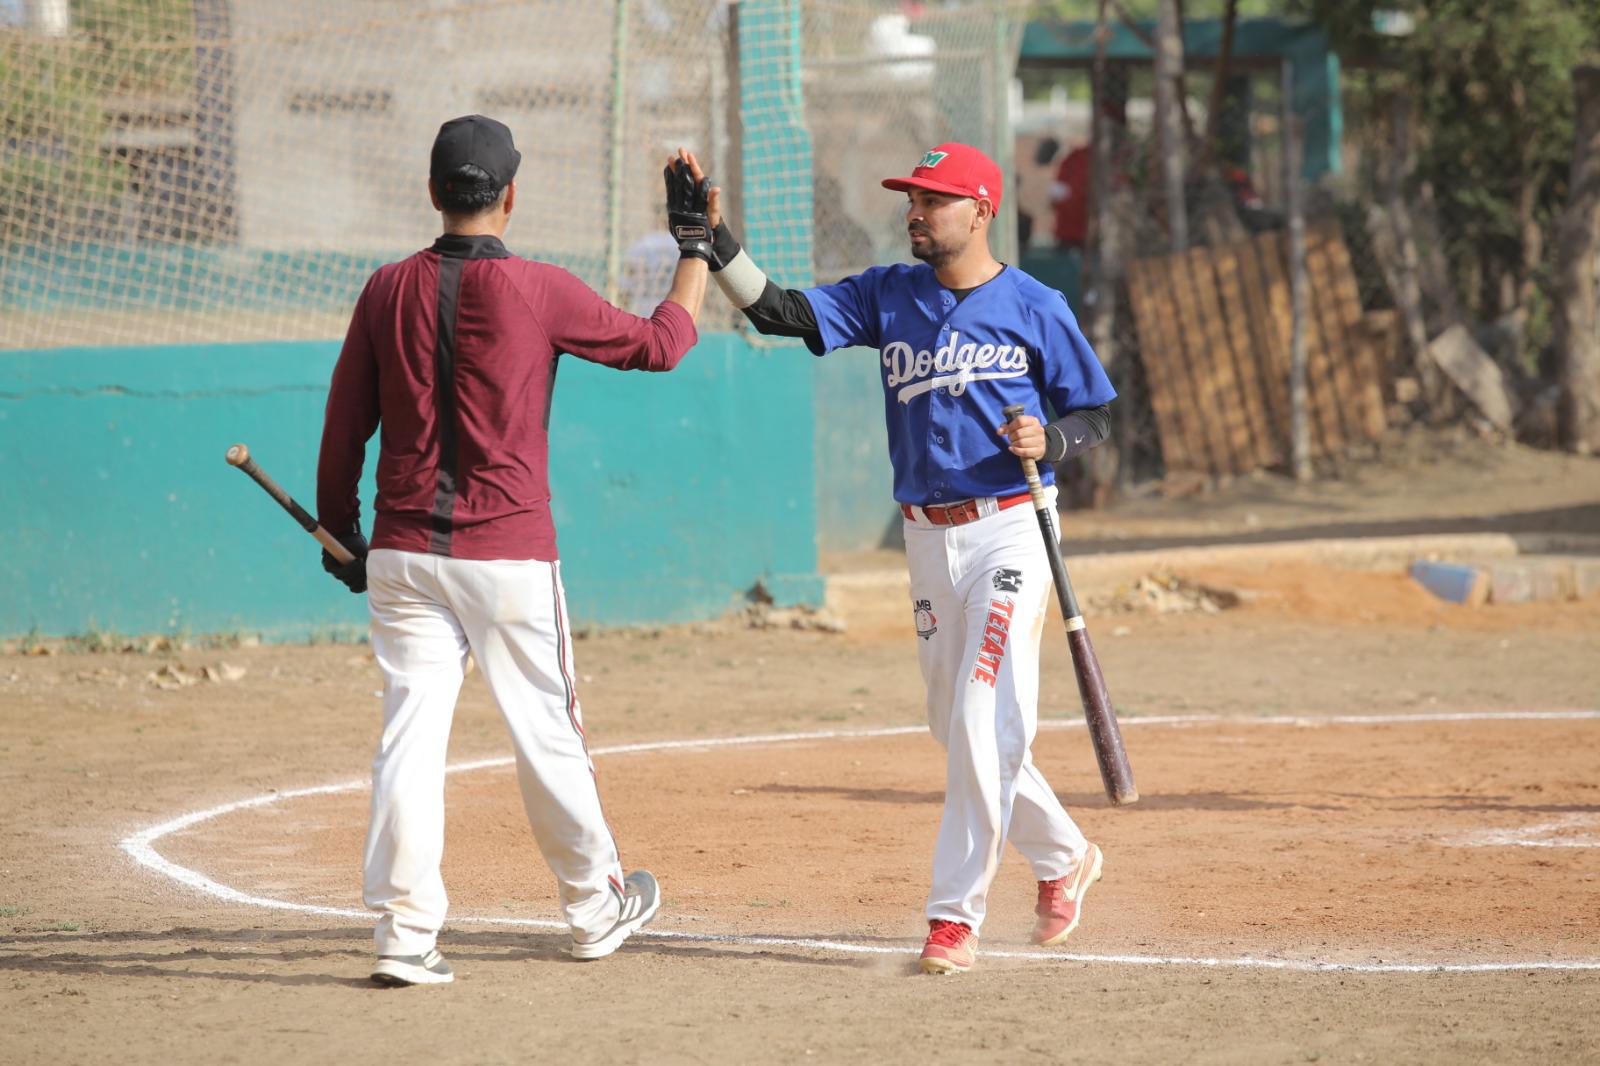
(694, 205)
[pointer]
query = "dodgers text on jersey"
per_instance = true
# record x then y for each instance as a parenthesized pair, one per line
(952, 365)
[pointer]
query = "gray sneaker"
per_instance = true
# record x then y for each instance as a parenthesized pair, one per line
(398, 971)
(641, 898)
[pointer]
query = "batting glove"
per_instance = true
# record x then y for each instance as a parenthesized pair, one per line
(688, 212)
(354, 573)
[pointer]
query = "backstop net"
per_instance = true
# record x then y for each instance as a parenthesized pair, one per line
(201, 171)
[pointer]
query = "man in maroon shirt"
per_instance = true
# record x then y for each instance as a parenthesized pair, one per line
(452, 354)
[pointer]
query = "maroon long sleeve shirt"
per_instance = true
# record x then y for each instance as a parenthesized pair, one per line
(453, 353)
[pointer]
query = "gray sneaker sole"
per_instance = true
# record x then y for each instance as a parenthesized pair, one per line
(397, 973)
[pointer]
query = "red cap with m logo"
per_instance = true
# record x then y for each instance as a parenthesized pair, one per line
(955, 170)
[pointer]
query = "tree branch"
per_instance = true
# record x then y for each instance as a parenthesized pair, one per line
(1208, 150)
(1133, 27)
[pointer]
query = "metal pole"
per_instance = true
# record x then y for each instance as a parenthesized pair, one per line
(619, 115)
(1099, 151)
(1169, 116)
(1299, 423)
(733, 115)
(1102, 263)
(1005, 226)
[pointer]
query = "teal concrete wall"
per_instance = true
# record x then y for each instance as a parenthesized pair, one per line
(673, 494)
(855, 483)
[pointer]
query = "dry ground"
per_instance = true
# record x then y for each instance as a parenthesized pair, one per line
(1346, 843)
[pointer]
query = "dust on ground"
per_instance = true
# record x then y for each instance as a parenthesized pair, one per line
(1327, 841)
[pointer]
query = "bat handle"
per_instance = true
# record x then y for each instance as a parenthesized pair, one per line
(1030, 468)
(340, 553)
(239, 456)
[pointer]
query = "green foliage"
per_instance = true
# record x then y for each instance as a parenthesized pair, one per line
(1491, 86)
(1511, 65)
(55, 160)
(50, 132)
(145, 46)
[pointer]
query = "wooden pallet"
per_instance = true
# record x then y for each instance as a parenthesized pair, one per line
(1214, 336)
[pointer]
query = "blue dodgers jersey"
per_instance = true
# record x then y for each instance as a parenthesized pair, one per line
(949, 368)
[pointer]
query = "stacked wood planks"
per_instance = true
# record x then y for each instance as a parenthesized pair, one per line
(1214, 332)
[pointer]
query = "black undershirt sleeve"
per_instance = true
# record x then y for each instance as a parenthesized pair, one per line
(1076, 432)
(783, 313)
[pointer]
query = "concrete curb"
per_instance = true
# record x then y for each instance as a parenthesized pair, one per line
(1103, 572)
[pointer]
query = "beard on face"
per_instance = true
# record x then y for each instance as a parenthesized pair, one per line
(931, 250)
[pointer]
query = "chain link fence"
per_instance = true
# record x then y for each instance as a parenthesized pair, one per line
(882, 88)
(208, 171)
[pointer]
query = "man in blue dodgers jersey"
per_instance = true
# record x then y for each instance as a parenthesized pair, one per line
(960, 336)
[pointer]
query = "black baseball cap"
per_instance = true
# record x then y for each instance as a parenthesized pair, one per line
(483, 142)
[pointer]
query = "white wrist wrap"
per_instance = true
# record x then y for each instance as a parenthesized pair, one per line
(742, 281)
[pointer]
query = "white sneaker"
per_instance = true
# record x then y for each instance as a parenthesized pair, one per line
(641, 898)
(397, 971)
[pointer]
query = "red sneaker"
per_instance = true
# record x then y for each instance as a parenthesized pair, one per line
(951, 947)
(1061, 901)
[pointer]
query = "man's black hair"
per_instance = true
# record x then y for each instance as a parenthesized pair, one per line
(467, 191)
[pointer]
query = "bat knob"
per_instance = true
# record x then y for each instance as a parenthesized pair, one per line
(1012, 411)
(238, 455)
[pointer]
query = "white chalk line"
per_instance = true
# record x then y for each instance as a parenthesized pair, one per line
(141, 846)
(1561, 833)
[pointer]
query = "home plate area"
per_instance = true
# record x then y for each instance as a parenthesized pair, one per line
(1383, 842)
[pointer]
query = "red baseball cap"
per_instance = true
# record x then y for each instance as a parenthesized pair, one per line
(954, 169)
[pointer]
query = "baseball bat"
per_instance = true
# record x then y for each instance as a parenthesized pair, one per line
(1104, 732)
(239, 456)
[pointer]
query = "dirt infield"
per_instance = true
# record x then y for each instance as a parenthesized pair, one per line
(1355, 844)
(1366, 841)
(1359, 844)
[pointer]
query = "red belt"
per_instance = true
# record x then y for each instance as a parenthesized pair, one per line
(959, 514)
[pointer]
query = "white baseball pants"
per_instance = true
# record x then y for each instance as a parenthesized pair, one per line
(428, 612)
(980, 593)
